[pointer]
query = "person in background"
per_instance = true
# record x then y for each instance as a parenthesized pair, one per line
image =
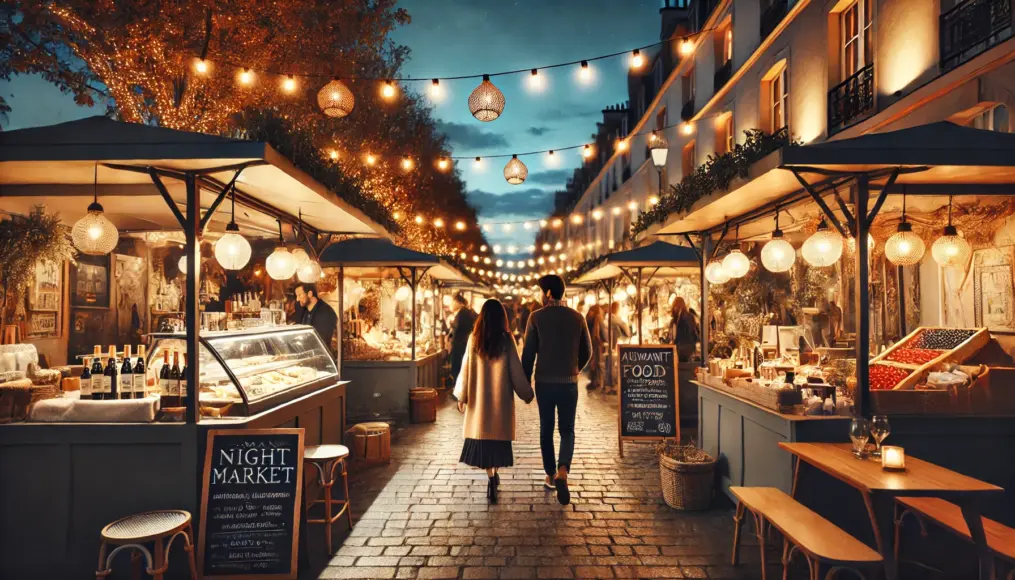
(523, 318)
(491, 375)
(683, 330)
(620, 327)
(316, 313)
(461, 329)
(599, 336)
(557, 348)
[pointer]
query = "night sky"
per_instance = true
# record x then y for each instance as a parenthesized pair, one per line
(461, 37)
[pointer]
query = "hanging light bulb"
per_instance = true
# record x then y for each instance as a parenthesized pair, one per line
(686, 47)
(620, 295)
(246, 77)
(438, 223)
(334, 99)
(435, 89)
(736, 264)
(616, 211)
(577, 219)
(371, 159)
(654, 200)
(587, 151)
(443, 164)
(585, 72)
(823, 248)
(496, 248)
(419, 220)
(515, 171)
(407, 163)
(478, 164)
(482, 248)
(201, 66)
(597, 214)
(403, 293)
(94, 234)
(632, 290)
(388, 91)
(289, 85)
(535, 82)
(904, 248)
(232, 250)
(632, 205)
(551, 159)
(622, 145)
(310, 272)
(951, 249)
(300, 257)
(637, 60)
(714, 273)
(686, 128)
(557, 222)
(460, 226)
(280, 264)
(777, 255)
(486, 102)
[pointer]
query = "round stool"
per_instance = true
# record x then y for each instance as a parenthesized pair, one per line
(133, 532)
(326, 459)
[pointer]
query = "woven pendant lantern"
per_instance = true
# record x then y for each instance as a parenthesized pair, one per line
(280, 264)
(486, 102)
(736, 264)
(777, 255)
(715, 275)
(94, 234)
(823, 248)
(904, 248)
(309, 272)
(515, 171)
(335, 99)
(951, 249)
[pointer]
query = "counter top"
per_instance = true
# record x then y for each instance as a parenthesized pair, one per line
(784, 416)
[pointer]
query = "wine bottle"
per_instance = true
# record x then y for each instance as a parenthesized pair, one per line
(140, 376)
(183, 382)
(126, 377)
(109, 383)
(96, 387)
(164, 379)
(174, 381)
(86, 382)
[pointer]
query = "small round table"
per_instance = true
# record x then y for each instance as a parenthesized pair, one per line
(326, 459)
(133, 532)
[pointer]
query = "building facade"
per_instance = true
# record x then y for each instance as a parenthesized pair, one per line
(817, 69)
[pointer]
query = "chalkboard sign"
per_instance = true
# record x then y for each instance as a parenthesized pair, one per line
(250, 503)
(648, 393)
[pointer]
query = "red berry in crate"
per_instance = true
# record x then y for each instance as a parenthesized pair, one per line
(913, 356)
(884, 377)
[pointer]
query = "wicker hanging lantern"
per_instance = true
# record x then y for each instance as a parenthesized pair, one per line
(951, 249)
(904, 248)
(515, 171)
(777, 255)
(94, 234)
(486, 102)
(824, 248)
(335, 99)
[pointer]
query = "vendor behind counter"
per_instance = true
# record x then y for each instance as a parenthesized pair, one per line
(312, 310)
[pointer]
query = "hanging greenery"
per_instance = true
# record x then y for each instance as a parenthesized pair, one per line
(717, 173)
(24, 240)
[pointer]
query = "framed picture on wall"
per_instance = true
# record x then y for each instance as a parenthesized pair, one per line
(89, 282)
(994, 289)
(47, 287)
(43, 325)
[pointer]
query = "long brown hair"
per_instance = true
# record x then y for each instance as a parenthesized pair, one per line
(491, 333)
(679, 308)
(594, 319)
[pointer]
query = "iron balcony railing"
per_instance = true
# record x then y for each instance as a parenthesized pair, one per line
(772, 16)
(687, 111)
(972, 27)
(851, 99)
(722, 75)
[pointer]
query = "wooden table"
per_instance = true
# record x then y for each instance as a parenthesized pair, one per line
(879, 489)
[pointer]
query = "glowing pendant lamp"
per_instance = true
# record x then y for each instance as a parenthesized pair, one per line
(904, 248)
(280, 264)
(778, 255)
(823, 248)
(951, 249)
(94, 234)
(232, 250)
(714, 273)
(736, 264)
(310, 272)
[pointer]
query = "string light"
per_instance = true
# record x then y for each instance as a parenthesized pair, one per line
(371, 159)
(460, 226)
(577, 219)
(653, 200)
(616, 211)
(622, 145)
(587, 151)
(397, 215)
(686, 128)
(536, 83)
(632, 205)
(419, 220)
(496, 248)
(637, 60)
(438, 223)
(515, 171)
(443, 163)
(557, 222)
(407, 163)
(597, 214)
(388, 90)
(551, 159)
(246, 77)
(435, 89)
(333, 154)
(585, 72)
(542, 223)
(478, 164)
(201, 66)
(482, 248)
(546, 247)
(289, 84)
(686, 47)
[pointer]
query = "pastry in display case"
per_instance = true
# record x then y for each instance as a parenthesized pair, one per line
(378, 320)
(248, 371)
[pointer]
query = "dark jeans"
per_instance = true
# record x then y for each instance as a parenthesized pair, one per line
(561, 399)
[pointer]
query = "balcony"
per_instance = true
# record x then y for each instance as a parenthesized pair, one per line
(851, 99)
(722, 76)
(687, 111)
(972, 27)
(772, 16)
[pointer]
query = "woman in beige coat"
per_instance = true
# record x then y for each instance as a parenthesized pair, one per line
(491, 375)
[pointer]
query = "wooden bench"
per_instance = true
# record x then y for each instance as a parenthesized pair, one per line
(1000, 538)
(820, 541)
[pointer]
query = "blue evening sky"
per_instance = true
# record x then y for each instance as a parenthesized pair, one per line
(461, 37)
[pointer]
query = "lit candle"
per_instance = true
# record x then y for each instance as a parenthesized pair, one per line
(893, 458)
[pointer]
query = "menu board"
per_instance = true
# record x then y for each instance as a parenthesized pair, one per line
(648, 389)
(250, 503)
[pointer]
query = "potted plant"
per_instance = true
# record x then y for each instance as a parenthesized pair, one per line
(686, 474)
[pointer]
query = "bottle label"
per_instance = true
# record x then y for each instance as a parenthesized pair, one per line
(140, 388)
(107, 384)
(86, 387)
(96, 386)
(164, 389)
(126, 385)
(183, 388)
(174, 387)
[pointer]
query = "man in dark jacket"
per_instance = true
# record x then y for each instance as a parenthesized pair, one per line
(557, 348)
(461, 328)
(316, 312)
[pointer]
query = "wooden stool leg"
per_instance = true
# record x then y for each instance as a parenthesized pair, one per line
(160, 560)
(785, 558)
(327, 515)
(189, 547)
(101, 571)
(135, 565)
(737, 523)
(348, 500)
(759, 525)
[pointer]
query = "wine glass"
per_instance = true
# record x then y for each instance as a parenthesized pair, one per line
(859, 432)
(879, 431)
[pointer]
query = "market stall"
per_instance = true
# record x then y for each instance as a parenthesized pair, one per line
(643, 284)
(869, 276)
(218, 352)
(390, 341)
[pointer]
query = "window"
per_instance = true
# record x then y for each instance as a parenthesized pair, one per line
(687, 159)
(657, 74)
(641, 101)
(725, 139)
(857, 36)
(662, 119)
(775, 97)
(727, 45)
(688, 85)
(993, 119)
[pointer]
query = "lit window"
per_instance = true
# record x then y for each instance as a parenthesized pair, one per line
(778, 94)
(727, 45)
(857, 37)
(687, 159)
(724, 136)
(993, 119)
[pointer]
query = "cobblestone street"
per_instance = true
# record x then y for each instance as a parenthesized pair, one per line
(427, 516)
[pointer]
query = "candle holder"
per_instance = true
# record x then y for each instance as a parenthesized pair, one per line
(893, 458)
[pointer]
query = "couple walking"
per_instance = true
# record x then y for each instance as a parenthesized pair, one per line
(556, 349)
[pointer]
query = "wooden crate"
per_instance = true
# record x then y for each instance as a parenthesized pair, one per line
(958, 355)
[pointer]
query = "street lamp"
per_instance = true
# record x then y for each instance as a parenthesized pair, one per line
(660, 150)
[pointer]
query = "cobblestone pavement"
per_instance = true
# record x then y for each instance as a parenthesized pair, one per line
(427, 516)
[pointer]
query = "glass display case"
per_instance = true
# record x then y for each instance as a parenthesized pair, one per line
(244, 372)
(378, 320)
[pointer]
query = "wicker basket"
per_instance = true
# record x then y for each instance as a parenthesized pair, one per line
(686, 486)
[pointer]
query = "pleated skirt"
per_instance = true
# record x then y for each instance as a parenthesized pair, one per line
(487, 453)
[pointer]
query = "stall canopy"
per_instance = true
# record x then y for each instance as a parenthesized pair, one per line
(377, 253)
(55, 164)
(935, 159)
(669, 258)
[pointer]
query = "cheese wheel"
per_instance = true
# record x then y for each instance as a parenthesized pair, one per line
(71, 383)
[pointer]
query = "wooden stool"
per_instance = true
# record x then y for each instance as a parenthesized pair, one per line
(326, 459)
(133, 532)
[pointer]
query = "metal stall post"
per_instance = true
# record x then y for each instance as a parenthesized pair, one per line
(706, 251)
(862, 296)
(637, 286)
(192, 233)
(341, 318)
(412, 286)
